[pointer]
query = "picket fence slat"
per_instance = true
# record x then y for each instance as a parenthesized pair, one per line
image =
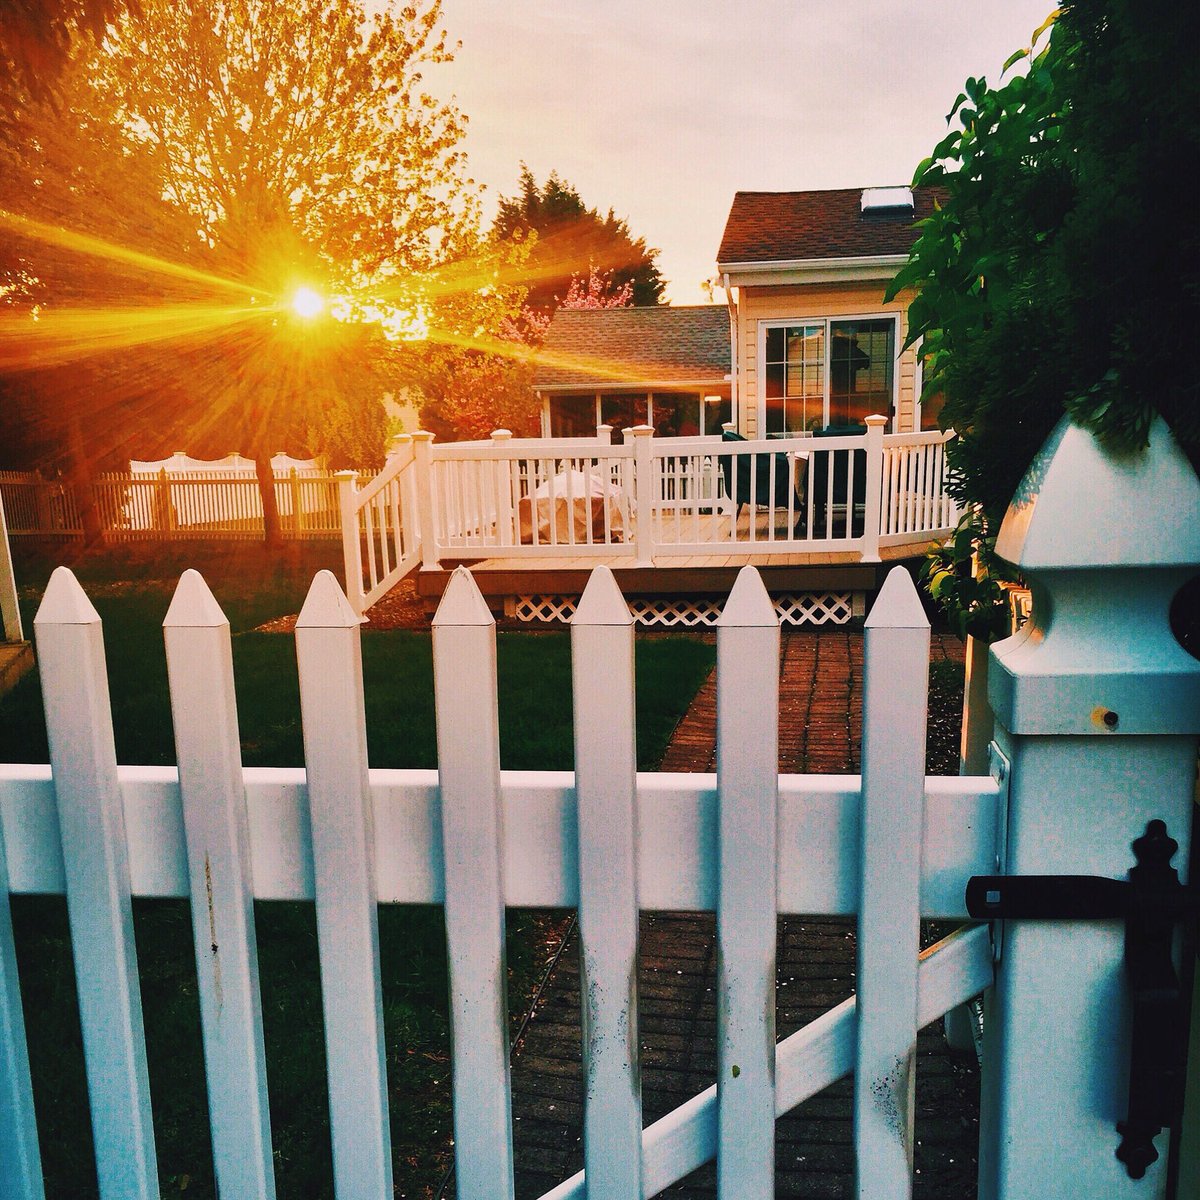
(208, 750)
(20, 1159)
(329, 653)
(895, 685)
(606, 790)
(92, 828)
(468, 743)
(748, 644)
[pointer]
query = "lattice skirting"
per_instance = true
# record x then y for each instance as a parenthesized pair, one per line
(805, 608)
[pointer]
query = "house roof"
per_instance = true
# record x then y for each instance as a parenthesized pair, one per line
(770, 227)
(635, 348)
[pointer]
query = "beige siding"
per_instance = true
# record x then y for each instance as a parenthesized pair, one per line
(794, 302)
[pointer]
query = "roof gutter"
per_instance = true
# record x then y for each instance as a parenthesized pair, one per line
(733, 347)
(813, 270)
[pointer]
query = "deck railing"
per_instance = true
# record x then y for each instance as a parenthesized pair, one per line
(660, 500)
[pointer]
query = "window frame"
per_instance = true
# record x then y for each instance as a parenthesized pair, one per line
(827, 322)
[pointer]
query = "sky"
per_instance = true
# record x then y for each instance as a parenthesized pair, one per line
(662, 109)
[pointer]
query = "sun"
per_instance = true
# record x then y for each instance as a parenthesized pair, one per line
(307, 303)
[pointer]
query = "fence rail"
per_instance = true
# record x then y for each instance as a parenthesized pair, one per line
(138, 506)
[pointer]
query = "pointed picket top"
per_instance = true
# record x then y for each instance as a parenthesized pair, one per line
(602, 602)
(897, 606)
(194, 606)
(462, 602)
(326, 606)
(748, 605)
(65, 602)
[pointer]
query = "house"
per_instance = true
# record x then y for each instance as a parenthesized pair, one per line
(805, 339)
(665, 367)
(711, 457)
(814, 343)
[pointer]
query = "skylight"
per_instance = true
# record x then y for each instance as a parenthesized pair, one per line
(882, 199)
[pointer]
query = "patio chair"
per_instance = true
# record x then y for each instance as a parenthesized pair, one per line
(753, 483)
(819, 473)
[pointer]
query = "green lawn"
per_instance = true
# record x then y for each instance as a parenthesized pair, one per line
(535, 705)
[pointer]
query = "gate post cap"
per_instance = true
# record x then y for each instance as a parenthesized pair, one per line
(1081, 506)
(1105, 541)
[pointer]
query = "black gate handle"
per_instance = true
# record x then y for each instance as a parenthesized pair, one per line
(1151, 902)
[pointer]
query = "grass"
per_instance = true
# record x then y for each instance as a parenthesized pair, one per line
(131, 590)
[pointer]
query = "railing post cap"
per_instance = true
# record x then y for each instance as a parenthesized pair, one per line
(1105, 542)
(1079, 506)
(326, 606)
(422, 435)
(876, 421)
(65, 602)
(346, 474)
(193, 606)
(400, 439)
(501, 435)
(639, 430)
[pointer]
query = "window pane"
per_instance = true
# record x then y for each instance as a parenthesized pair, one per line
(622, 411)
(676, 414)
(860, 369)
(774, 380)
(572, 416)
(774, 345)
(717, 411)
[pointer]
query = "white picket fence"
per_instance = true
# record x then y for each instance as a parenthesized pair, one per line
(165, 505)
(1068, 793)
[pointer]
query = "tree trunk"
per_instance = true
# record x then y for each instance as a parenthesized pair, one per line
(81, 477)
(272, 532)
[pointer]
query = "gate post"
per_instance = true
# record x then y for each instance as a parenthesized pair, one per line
(1097, 710)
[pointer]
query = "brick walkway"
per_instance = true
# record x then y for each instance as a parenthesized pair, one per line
(820, 719)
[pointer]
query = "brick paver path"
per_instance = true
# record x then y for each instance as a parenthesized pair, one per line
(820, 720)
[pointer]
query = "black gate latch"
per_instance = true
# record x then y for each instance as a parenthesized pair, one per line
(1151, 903)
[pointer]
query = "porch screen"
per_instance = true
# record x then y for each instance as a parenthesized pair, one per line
(572, 416)
(676, 414)
(860, 370)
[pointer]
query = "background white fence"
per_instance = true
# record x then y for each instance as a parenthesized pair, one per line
(137, 506)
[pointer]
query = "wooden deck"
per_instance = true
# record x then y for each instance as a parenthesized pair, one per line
(698, 575)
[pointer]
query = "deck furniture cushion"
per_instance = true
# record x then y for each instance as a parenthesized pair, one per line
(754, 478)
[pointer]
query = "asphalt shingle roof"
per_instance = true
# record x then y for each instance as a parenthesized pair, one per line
(632, 346)
(766, 227)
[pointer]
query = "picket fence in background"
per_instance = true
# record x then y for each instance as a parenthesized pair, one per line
(163, 505)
